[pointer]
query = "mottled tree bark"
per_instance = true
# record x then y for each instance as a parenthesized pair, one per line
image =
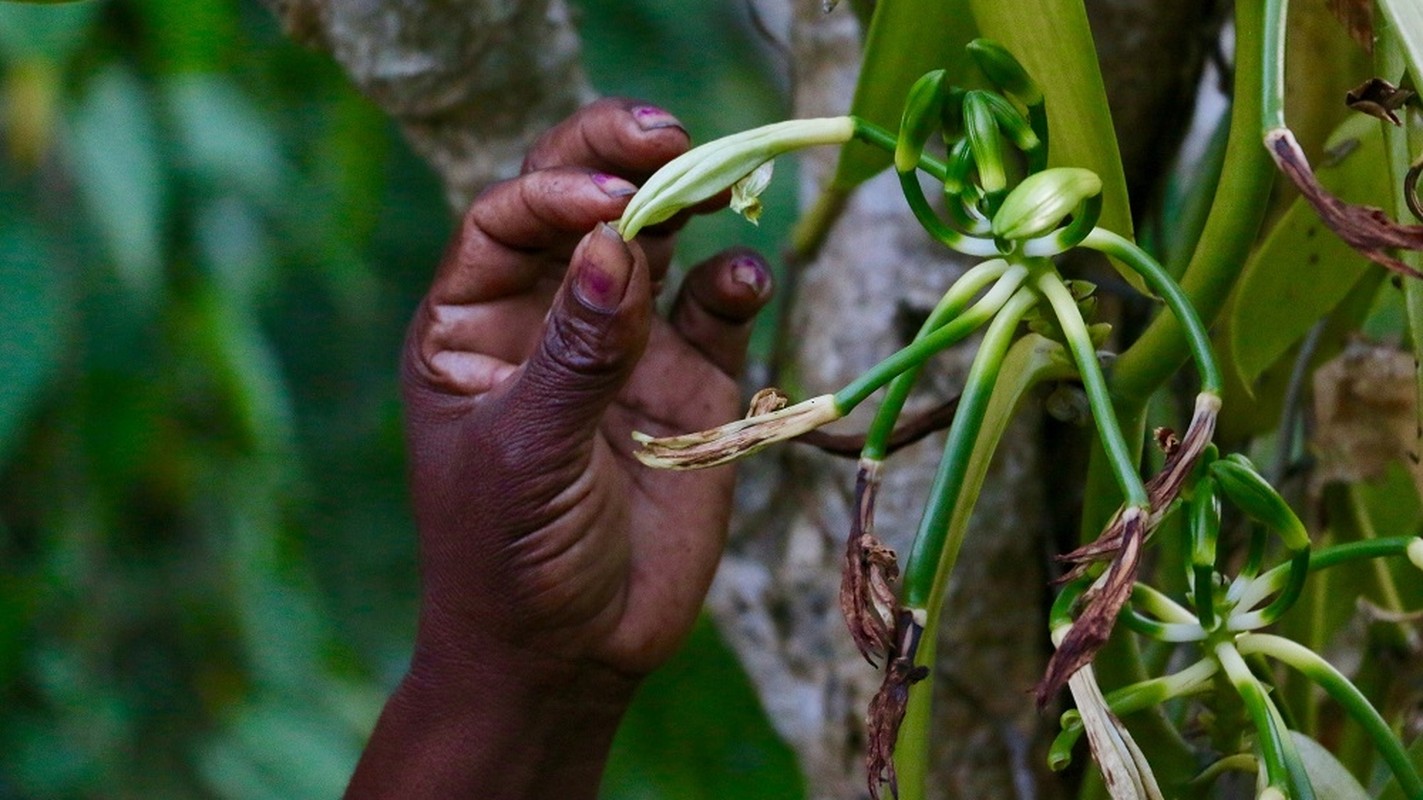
(473, 81)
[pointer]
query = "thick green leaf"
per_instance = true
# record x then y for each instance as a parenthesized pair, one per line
(1405, 21)
(907, 38)
(1301, 272)
(115, 154)
(33, 324)
(1054, 43)
(697, 732)
(28, 32)
(1330, 779)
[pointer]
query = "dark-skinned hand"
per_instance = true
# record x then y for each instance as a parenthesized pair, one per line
(556, 569)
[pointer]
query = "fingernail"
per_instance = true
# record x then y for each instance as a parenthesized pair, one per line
(753, 274)
(604, 267)
(651, 118)
(613, 186)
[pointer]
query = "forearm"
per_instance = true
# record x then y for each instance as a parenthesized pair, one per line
(494, 729)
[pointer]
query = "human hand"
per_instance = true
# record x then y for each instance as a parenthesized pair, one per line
(553, 563)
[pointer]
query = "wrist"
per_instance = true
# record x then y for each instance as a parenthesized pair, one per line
(492, 721)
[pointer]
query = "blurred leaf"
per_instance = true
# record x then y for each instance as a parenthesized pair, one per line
(29, 32)
(277, 748)
(907, 38)
(697, 732)
(189, 37)
(1330, 779)
(1301, 271)
(225, 139)
(116, 157)
(234, 247)
(34, 332)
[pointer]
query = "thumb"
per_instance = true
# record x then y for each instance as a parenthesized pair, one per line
(595, 332)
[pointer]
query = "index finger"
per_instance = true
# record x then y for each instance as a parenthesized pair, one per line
(625, 137)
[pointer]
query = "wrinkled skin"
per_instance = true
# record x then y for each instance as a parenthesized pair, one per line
(556, 570)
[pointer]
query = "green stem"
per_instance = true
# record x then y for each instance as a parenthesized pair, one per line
(874, 135)
(1272, 85)
(1312, 666)
(1276, 748)
(920, 351)
(1204, 511)
(1198, 339)
(950, 305)
(1247, 593)
(1032, 360)
(929, 553)
(1079, 342)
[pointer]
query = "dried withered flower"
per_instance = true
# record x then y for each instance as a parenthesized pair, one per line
(891, 701)
(1162, 489)
(1365, 228)
(1101, 604)
(1378, 98)
(736, 439)
(866, 599)
(1125, 770)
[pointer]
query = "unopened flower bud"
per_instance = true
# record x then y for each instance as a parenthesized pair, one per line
(703, 171)
(1005, 71)
(921, 113)
(1043, 200)
(1251, 493)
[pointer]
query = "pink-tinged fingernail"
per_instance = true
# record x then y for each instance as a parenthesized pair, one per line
(752, 273)
(604, 269)
(651, 118)
(613, 186)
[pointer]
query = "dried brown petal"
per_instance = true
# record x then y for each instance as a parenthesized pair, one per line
(866, 598)
(1364, 228)
(1101, 604)
(890, 703)
(1165, 486)
(739, 438)
(1378, 98)
(1162, 490)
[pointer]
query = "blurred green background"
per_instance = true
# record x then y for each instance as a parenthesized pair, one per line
(209, 247)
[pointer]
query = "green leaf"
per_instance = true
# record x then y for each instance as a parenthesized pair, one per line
(224, 139)
(115, 154)
(33, 330)
(28, 32)
(1302, 271)
(907, 38)
(697, 732)
(1405, 21)
(1054, 43)
(1330, 779)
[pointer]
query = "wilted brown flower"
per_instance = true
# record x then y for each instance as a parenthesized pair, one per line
(891, 701)
(1364, 228)
(739, 438)
(866, 599)
(1101, 604)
